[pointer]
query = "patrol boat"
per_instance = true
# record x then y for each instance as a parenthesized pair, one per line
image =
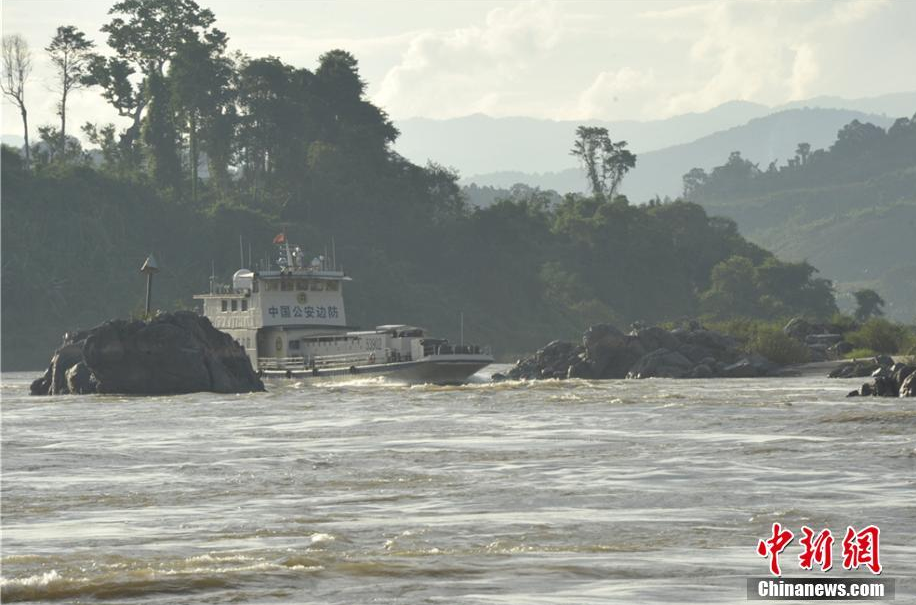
(291, 322)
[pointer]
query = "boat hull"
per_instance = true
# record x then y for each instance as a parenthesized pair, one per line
(434, 369)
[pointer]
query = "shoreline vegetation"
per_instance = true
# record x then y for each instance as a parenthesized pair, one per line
(221, 146)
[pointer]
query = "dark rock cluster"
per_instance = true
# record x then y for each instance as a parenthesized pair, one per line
(606, 352)
(824, 341)
(890, 379)
(173, 353)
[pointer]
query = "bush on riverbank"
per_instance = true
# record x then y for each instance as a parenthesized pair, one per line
(882, 336)
(777, 346)
(860, 354)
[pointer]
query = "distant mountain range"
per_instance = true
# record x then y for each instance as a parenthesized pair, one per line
(502, 151)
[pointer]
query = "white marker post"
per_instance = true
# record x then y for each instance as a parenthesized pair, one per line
(149, 267)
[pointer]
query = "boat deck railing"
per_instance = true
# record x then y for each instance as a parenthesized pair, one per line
(304, 362)
(449, 349)
(323, 361)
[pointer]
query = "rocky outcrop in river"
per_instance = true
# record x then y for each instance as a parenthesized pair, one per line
(177, 352)
(606, 352)
(890, 378)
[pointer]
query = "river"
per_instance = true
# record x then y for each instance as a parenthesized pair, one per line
(650, 491)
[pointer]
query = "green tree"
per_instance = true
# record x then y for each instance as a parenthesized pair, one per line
(145, 36)
(868, 304)
(71, 54)
(160, 136)
(199, 77)
(114, 76)
(349, 121)
(803, 151)
(104, 137)
(733, 290)
(693, 182)
(604, 161)
(264, 115)
(49, 150)
(881, 336)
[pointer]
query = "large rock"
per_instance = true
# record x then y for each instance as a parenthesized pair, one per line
(752, 366)
(656, 337)
(855, 369)
(173, 353)
(798, 328)
(609, 352)
(908, 387)
(661, 363)
(890, 381)
(80, 380)
(554, 360)
(826, 340)
(709, 339)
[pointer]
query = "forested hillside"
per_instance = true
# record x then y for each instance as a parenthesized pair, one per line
(301, 150)
(768, 138)
(850, 208)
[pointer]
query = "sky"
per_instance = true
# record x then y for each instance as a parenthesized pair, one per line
(538, 58)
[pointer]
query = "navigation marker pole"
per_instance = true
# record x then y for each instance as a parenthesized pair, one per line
(149, 267)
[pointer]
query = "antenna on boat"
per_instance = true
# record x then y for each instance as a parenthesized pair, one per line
(241, 253)
(333, 254)
(461, 328)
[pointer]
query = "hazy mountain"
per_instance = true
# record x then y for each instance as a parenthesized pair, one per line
(761, 140)
(481, 145)
(891, 105)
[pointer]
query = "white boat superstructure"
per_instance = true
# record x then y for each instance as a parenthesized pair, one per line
(292, 323)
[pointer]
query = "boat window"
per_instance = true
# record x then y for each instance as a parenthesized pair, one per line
(244, 305)
(271, 286)
(294, 345)
(317, 286)
(235, 305)
(287, 285)
(302, 284)
(331, 286)
(225, 305)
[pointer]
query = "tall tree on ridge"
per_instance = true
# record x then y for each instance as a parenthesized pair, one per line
(199, 76)
(145, 35)
(17, 66)
(160, 136)
(605, 162)
(71, 54)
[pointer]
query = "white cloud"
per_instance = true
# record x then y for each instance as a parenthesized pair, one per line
(473, 69)
(852, 11)
(769, 52)
(621, 91)
(805, 70)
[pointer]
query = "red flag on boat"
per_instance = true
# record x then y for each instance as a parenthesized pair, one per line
(281, 237)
